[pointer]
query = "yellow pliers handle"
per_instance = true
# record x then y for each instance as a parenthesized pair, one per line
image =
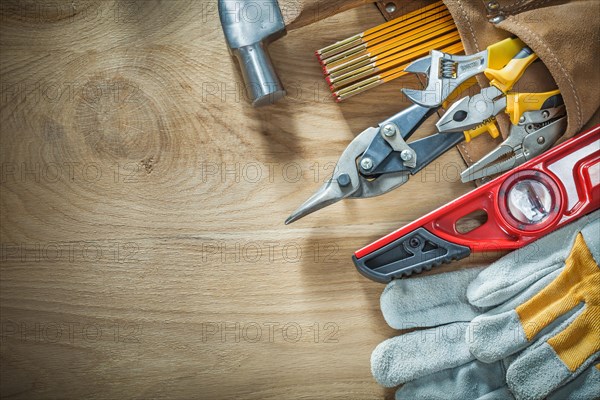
(519, 103)
(505, 78)
(499, 54)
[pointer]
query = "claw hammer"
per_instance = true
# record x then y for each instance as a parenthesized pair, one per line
(250, 25)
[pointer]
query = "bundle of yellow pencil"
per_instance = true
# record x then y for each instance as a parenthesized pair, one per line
(381, 54)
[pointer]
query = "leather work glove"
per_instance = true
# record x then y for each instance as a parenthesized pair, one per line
(557, 314)
(473, 348)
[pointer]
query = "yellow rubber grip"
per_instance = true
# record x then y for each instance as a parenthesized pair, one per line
(489, 127)
(499, 54)
(518, 103)
(505, 78)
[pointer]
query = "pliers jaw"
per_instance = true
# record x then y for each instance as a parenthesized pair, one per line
(471, 111)
(536, 133)
(502, 158)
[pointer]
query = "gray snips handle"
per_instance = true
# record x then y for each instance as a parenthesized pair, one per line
(249, 26)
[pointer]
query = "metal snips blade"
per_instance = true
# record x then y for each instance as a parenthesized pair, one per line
(347, 182)
(355, 175)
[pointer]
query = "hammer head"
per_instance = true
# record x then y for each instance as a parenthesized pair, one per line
(249, 26)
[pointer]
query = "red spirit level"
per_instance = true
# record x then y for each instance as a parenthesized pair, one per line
(522, 205)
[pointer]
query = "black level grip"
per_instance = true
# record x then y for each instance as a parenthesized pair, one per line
(417, 251)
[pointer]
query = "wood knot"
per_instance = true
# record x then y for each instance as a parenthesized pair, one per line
(118, 120)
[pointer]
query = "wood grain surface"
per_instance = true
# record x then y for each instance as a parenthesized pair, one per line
(144, 253)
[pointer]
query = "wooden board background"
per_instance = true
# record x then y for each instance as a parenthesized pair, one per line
(142, 204)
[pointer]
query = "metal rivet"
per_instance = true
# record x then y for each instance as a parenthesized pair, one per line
(343, 179)
(545, 114)
(389, 130)
(522, 119)
(541, 140)
(497, 19)
(414, 242)
(390, 8)
(406, 155)
(493, 5)
(366, 163)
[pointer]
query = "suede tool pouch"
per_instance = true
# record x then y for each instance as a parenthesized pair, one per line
(565, 34)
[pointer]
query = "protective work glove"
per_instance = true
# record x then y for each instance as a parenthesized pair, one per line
(462, 309)
(557, 317)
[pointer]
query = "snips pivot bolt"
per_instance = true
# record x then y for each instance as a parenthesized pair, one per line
(366, 164)
(388, 130)
(406, 155)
